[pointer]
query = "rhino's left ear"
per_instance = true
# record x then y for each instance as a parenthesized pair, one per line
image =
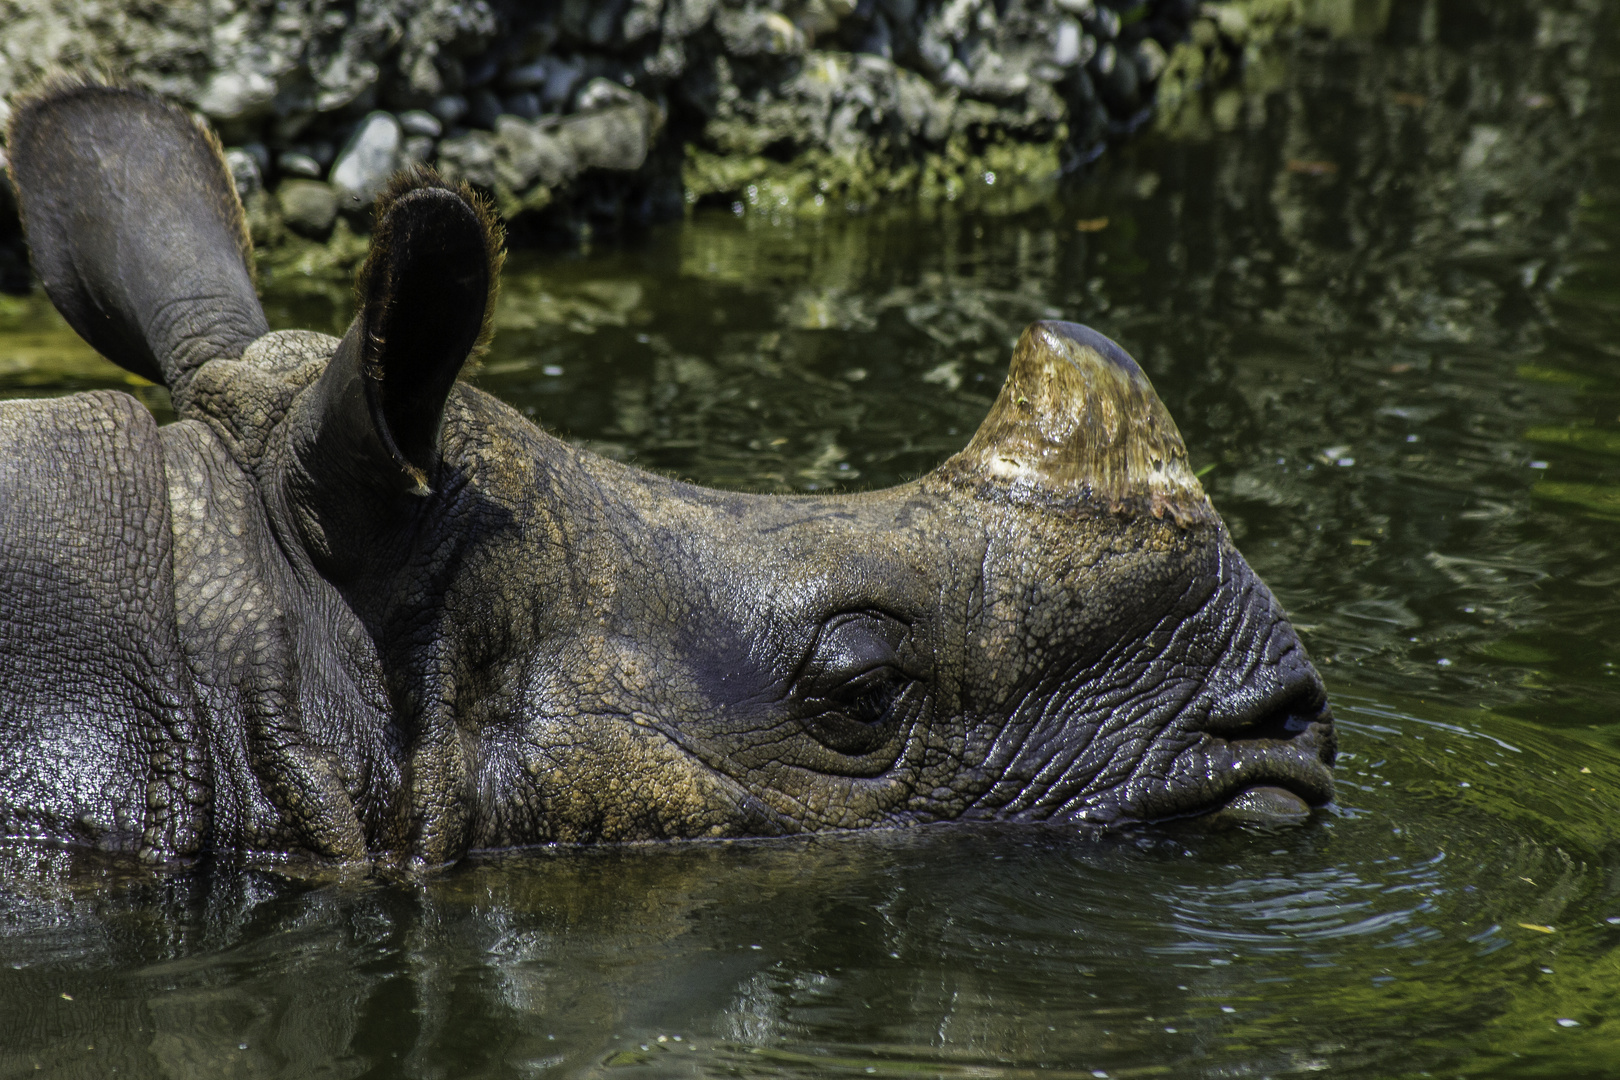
(425, 297)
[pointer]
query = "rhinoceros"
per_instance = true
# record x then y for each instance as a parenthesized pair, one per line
(350, 607)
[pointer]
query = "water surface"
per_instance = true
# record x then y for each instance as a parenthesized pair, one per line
(1378, 291)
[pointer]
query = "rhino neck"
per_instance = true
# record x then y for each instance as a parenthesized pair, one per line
(332, 671)
(285, 676)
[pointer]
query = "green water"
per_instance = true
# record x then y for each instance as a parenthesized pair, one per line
(1380, 295)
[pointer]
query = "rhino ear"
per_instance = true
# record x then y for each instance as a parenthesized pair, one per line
(135, 228)
(425, 297)
(1078, 422)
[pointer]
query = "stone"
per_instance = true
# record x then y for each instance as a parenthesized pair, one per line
(1117, 79)
(955, 74)
(525, 104)
(424, 76)
(758, 33)
(616, 133)
(420, 122)
(525, 76)
(682, 18)
(879, 40)
(482, 108)
(236, 95)
(371, 156)
(259, 153)
(1066, 44)
(641, 20)
(1102, 24)
(668, 62)
(418, 150)
(561, 78)
(999, 77)
(611, 139)
(933, 50)
(1151, 60)
(526, 152)
(244, 172)
(344, 80)
(818, 17)
(470, 157)
(293, 163)
(449, 108)
(601, 93)
(284, 128)
(308, 207)
(615, 137)
(1021, 71)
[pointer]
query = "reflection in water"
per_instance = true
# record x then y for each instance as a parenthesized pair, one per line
(1378, 294)
(1371, 939)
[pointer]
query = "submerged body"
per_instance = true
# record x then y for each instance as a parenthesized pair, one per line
(348, 605)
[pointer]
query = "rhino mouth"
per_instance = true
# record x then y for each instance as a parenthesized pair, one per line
(1260, 763)
(1273, 772)
(1271, 782)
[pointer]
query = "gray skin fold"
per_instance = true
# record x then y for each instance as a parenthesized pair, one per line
(349, 606)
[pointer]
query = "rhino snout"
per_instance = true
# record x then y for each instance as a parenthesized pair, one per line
(1261, 744)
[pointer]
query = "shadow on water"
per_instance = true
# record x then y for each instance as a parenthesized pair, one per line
(1378, 291)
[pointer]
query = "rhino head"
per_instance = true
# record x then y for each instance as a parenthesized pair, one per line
(412, 623)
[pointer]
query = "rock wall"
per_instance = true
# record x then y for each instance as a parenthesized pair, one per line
(769, 104)
(583, 114)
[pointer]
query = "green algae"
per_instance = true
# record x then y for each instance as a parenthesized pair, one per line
(1588, 439)
(295, 265)
(1004, 174)
(1601, 500)
(1555, 376)
(42, 356)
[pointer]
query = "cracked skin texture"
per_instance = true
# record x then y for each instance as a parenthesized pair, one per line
(349, 606)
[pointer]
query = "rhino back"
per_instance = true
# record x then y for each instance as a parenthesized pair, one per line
(99, 739)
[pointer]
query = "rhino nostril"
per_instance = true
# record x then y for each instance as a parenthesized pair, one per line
(1296, 723)
(1278, 719)
(1277, 726)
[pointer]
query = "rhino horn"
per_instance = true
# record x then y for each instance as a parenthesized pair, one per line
(1078, 422)
(425, 297)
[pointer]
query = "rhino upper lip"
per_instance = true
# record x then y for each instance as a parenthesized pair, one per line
(1299, 763)
(1285, 750)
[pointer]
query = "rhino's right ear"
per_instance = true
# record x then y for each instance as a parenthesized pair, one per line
(425, 297)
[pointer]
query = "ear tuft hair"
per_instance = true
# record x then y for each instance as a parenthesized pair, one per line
(417, 178)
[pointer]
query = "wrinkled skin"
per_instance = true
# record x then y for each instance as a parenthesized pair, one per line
(349, 606)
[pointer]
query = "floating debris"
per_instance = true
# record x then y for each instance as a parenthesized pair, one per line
(1311, 168)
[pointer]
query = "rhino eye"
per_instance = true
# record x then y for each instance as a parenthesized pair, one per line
(870, 703)
(852, 680)
(851, 649)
